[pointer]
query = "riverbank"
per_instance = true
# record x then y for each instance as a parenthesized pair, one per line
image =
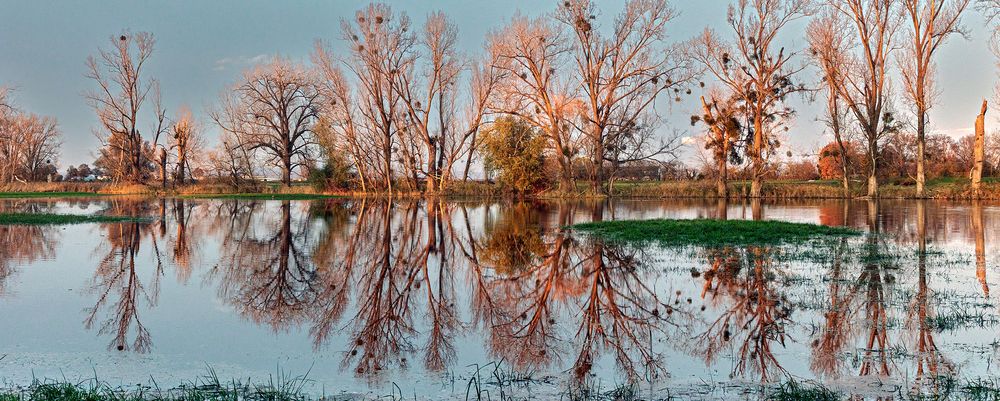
(943, 189)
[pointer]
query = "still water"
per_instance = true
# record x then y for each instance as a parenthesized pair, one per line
(375, 297)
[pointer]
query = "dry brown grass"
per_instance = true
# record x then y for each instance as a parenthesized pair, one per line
(945, 189)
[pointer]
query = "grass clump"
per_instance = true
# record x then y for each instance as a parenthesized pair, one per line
(44, 219)
(796, 391)
(707, 232)
(208, 388)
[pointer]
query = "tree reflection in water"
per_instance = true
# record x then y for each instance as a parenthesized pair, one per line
(744, 284)
(391, 284)
(117, 280)
(266, 269)
(22, 245)
(606, 290)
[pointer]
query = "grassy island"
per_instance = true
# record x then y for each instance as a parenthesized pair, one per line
(706, 232)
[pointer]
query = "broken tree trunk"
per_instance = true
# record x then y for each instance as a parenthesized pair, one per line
(978, 151)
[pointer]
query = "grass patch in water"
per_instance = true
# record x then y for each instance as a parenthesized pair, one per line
(280, 388)
(796, 391)
(47, 219)
(707, 232)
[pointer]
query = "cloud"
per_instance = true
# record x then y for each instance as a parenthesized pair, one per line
(223, 64)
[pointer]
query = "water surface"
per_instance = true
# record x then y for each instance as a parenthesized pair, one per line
(375, 297)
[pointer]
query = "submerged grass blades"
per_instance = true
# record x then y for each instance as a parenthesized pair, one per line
(41, 219)
(706, 232)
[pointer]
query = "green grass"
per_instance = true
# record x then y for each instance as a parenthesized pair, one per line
(252, 196)
(208, 388)
(43, 219)
(705, 232)
(7, 195)
(796, 391)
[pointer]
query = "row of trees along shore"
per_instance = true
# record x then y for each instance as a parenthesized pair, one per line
(548, 97)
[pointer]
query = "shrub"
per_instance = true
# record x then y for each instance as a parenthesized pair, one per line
(513, 150)
(334, 175)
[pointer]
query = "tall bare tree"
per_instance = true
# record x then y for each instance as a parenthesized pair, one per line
(757, 71)
(930, 23)
(379, 41)
(865, 87)
(120, 102)
(620, 72)
(427, 94)
(829, 44)
(529, 53)
(273, 109)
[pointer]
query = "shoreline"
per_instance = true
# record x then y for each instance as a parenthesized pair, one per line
(651, 190)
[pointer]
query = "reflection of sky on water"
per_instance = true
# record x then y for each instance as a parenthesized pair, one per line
(373, 295)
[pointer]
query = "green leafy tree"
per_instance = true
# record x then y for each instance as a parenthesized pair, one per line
(514, 151)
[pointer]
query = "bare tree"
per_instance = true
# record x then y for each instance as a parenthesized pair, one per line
(991, 9)
(231, 162)
(186, 141)
(339, 126)
(829, 44)
(119, 101)
(760, 75)
(931, 22)
(528, 54)
(428, 97)
(39, 140)
(29, 143)
(273, 110)
(380, 43)
(865, 88)
(621, 74)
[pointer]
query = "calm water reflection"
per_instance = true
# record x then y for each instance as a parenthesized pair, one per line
(368, 292)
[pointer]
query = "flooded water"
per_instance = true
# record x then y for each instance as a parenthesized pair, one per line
(429, 299)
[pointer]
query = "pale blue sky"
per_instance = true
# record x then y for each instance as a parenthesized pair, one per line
(203, 46)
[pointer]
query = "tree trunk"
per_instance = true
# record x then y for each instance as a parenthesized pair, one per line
(722, 189)
(978, 152)
(597, 161)
(873, 167)
(566, 174)
(844, 168)
(432, 171)
(757, 157)
(286, 169)
(468, 158)
(163, 167)
(921, 146)
(181, 166)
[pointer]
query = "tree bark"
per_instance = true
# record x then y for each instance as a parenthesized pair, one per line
(978, 152)
(757, 157)
(921, 156)
(163, 167)
(873, 167)
(286, 169)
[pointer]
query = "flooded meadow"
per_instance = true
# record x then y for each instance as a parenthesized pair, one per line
(434, 299)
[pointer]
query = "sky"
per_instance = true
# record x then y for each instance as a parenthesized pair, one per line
(203, 46)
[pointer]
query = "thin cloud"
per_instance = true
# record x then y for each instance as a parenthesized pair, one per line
(223, 64)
